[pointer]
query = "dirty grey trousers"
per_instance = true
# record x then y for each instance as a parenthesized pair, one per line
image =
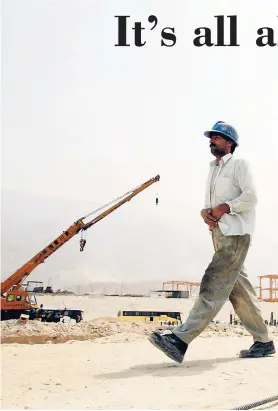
(225, 277)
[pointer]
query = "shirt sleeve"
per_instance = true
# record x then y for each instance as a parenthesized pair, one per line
(247, 200)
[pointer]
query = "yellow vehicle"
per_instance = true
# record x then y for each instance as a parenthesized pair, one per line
(162, 317)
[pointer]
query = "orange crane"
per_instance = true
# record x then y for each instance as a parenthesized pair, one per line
(14, 299)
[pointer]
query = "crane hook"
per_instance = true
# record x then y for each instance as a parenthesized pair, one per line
(82, 243)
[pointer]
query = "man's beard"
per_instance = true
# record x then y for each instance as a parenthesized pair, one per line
(216, 151)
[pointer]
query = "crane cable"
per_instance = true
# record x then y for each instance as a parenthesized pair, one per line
(110, 202)
(257, 403)
(83, 241)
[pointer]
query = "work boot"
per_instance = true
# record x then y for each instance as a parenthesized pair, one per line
(169, 343)
(258, 349)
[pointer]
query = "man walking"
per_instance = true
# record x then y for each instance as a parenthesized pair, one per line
(230, 215)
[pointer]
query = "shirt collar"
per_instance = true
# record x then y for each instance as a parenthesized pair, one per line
(223, 160)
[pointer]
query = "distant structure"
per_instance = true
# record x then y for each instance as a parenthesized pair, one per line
(272, 288)
(175, 291)
(170, 293)
(188, 285)
(34, 286)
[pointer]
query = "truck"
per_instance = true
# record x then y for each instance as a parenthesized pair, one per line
(15, 300)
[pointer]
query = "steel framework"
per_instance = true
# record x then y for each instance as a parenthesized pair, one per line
(188, 284)
(272, 288)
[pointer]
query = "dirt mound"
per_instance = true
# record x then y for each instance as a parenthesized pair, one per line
(101, 330)
(36, 332)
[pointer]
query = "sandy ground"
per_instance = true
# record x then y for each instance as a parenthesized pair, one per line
(134, 375)
(113, 366)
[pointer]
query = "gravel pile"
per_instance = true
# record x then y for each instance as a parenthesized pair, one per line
(102, 330)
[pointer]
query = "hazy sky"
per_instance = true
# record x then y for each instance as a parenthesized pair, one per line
(84, 121)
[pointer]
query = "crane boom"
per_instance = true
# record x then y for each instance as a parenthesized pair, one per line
(20, 275)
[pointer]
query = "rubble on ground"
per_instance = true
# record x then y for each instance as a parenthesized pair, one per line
(101, 330)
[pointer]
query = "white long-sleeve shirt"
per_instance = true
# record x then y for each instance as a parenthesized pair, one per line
(231, 182)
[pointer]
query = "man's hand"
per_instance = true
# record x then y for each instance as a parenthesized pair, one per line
(208, 218)
(218, 211)
(211, 216)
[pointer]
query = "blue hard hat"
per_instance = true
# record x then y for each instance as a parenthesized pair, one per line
(224, 129)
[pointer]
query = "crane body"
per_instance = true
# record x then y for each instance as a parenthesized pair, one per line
(14, 299)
